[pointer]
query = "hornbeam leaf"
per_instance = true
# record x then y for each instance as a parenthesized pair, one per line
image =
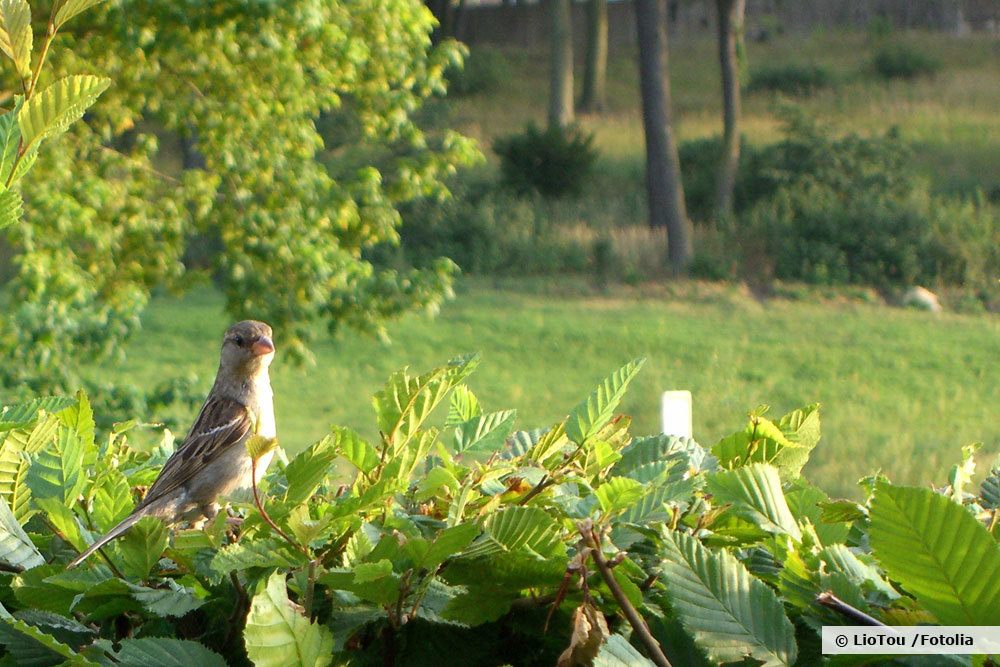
(28, 646)
(277, 635)
(163, 652)
(64, 10)
(57, 469)
(21, 415)
(756, 494)
(464, 406)
(15, 34)
(730, 613)
(50, 111)
(142, 545)
(10, 136)
(257, 446)
(486, 433)
(16, 548)
(591, 415)
(307, 470)
(10, 208)
(939, 552)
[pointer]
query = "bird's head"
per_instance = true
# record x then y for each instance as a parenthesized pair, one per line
(247, 348)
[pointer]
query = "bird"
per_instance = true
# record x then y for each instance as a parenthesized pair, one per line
(212, 462)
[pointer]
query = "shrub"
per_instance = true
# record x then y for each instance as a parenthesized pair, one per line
(897, 60)
(483, 71)
(554, 162)
(789, 78)
(472, 543)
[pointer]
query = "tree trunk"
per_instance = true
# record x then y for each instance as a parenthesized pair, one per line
(730, 38)
(595, 73)
(664, 189)
(561, 93)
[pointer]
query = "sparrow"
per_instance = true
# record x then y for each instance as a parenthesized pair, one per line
(212, 462)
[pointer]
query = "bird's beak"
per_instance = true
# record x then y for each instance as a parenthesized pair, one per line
(262, 346)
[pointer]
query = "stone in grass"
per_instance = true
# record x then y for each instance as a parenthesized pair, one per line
(922, 298)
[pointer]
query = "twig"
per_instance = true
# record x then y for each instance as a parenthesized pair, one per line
(543, 484)
(635, 620)
(307, 601)
(13, 569)
(239, 609)
(648, 583)
(830, 601)
(267, 517)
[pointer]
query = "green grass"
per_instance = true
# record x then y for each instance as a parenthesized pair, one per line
(901, 390)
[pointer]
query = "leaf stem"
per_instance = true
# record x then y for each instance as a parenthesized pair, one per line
(830, 601)
(267, 517)
(634, 618)
(307, 602)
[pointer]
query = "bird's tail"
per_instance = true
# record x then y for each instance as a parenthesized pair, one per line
(126, 523)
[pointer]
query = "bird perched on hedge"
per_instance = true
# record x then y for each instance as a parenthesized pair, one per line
(212, 462)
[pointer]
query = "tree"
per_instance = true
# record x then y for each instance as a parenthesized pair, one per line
(561, 64)
(664, 189)
(294, 210)
(596, 63)
(730, 42)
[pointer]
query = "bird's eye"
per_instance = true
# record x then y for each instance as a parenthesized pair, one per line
(239, 340)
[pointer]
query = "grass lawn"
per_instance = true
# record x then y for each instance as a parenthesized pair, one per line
(901, 390)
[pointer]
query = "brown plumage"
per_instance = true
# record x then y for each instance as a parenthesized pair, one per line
(212, 461)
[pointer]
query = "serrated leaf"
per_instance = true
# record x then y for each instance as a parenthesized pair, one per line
(618, 493)
(14, 490)
(617, 652)
(277, 635)
(10, 136)
(80, 418)
(527, 529)
(939, 552)
(246, 554)
(15, 34)
(163, 652)
(359, 453)
(56, 470)
(16, 548)
(478, 605)
(549, 444)
(174, 600)
(592, 414)
(112, 499)
(365, 572)
(448, 543)
(10, 208)
(30, 647)
(463, 407)
(486, 433)
(307, 471)
(756, 494)
(51, 110)
(64, 10)
(63, 520)
(142, 545)
(258, 446)
(729, 613)
(434, 481)
(21, 415)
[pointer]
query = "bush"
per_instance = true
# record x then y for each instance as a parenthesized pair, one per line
(554, 162)
(789, 78)
(901, 61)
(483, 71)
(472, 543)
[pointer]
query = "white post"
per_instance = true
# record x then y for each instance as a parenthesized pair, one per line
(675, 409)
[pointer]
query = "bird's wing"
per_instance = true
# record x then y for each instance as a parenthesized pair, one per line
(222, 423)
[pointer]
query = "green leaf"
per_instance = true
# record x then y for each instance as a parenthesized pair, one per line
(464, 406)
(434, 481)
(617, 652)
(520, 529)
(10, 136)
(477, 606)
(246, 554)
(592, 414)
(729, 613)
(257, 446)
(756, 494)
(365, 572)
(30, 647)
(10, 208)
(80, 418)
(486, 433)
(163, 652)
(112, 499)
(15, 34)
(989, 492)
(56, 471)
(939, 552)
(64, 10)
(142, 545)
(618, 493)
(16, 549)
(307, 471)
(174, 600)
(277, 635)
(14, 489)
(356, 451)
(63, 520)
(22, 415)
(406, 401)
(50, 111)
(448, 543)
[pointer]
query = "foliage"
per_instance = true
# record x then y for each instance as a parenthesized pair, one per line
(110, 214)
(470, 528)
(555, 162)
(789, 78)
(483, 71)
(899, 60)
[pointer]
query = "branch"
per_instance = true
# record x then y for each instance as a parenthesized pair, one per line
(634, 618)
(267, 517)
(830, 601)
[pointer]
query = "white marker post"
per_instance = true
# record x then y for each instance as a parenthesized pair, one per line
(675, 410)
